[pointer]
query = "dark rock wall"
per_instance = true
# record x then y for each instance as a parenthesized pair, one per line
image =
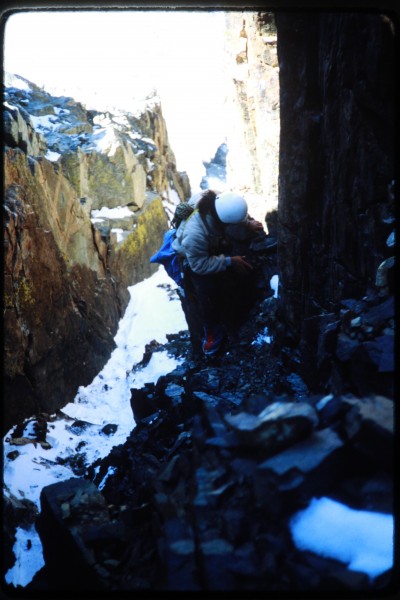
(336, 158)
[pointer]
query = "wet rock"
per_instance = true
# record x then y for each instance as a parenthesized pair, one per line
(369, 424)
(71, 513)
(207, 379)
(174, 394)
(332, 574)
(109, 429)
(381, 352)
(385, 275)
(369, 492)
(78, 427)
(345, 347)
(142, 403)
(329, 408)
(311, 464)
(378, 315)
(216, 556)
(277, 426)
(177, 549)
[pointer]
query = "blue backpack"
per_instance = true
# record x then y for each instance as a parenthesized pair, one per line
(167, 257)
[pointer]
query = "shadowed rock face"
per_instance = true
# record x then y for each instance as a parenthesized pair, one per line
(336, 203)
(67, 274)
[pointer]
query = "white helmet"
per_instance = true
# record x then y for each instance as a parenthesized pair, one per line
(230, 207)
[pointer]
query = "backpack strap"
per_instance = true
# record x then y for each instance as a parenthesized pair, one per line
(182, 212)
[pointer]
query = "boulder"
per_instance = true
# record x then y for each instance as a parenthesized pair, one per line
(369, 424)
(74, 518)
(310, 466)
(276, 427)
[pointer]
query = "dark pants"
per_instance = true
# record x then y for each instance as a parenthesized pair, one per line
(209, 295)
(222, 298)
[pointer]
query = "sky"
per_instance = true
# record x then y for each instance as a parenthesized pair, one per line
(113, 58)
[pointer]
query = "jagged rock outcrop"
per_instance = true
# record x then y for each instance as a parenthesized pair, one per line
(67, 267)
(253, 134)
(215, 177)
(336, 190)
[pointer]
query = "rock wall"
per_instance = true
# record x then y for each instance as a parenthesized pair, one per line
(55, 336)
(67, 266)
(253, 105)
(336, 163)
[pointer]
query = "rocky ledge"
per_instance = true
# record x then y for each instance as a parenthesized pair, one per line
(224, 453)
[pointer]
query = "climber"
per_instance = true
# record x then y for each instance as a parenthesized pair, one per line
(206, 243)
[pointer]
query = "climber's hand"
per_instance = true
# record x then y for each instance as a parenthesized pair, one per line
(255, 226)
(240, 264)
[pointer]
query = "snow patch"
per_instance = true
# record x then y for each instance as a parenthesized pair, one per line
(28, 550)
(361, 539)
(119, 212)
(274, 283)
(52, 156)
(262, 338)
(11, 80)
(45, 123)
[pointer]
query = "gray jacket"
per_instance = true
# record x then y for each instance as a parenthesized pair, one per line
(192, 242)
